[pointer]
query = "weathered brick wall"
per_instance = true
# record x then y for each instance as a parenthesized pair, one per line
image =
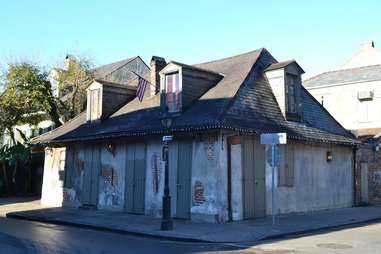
(372, 157)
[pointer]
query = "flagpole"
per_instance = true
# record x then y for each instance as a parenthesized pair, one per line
(143, 78)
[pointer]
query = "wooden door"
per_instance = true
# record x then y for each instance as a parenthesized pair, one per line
(91, 176)
(135, 178)
(184, 174)
(259, 179)
(253, 166)
(364, 183)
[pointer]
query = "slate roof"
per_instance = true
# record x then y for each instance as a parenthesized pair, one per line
(283, 64)
(242, 101)
(360, 74)
(102, 71)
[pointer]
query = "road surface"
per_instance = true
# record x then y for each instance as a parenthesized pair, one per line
(18, 236)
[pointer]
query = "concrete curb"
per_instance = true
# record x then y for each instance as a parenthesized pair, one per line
(104, 229)
(323, 228)
(14, 215)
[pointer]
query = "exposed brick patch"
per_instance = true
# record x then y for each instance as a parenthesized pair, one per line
(199, 197)
(373, 158)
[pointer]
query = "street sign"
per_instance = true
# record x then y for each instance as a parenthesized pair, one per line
(273, 138)
(167, 138)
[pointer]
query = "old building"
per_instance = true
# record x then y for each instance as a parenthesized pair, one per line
(119, 72)
(110, 157)
(352, 94)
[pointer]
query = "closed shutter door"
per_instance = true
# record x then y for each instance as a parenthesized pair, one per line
(184, 175)
(139, 178)
(248, 178)
(129, 182)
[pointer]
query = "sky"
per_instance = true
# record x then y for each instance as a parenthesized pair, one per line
(320, 35)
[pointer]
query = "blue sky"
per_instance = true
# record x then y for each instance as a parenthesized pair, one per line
(320, 35)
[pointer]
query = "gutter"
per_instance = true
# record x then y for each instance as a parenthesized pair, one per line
(200, 128)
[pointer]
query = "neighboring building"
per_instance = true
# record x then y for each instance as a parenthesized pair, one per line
(368, 172)
(352, 94)
(109, 157)
(120, 71)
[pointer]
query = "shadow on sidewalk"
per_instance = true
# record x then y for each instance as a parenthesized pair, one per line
(16, 200)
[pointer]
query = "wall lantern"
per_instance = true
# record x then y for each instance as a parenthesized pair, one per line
(329, 156)
(110, 148)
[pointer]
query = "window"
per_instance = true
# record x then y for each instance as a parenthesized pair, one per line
(95, 104)
(286, 167)
(292, 85)
(367, 111)
(173, 92)
(62, 160)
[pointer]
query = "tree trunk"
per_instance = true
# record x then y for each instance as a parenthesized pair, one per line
(5, 176)
(12, 135)
(22, 135)
(53, 113)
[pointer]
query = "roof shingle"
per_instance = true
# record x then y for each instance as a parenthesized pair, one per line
(242, 101)
(360, 74)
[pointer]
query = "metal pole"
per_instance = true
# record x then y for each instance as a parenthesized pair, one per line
(272, 182)
(166, 223)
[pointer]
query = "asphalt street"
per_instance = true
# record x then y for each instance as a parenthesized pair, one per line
(17, 236)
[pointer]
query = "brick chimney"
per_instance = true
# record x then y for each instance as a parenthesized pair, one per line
(157, 64)
(69, 59)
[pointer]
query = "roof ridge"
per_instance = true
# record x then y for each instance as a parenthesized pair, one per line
(222, 114)
(341, 70)
(129, 59)
(230, 57)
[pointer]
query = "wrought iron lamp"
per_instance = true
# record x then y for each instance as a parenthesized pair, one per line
(166, 223)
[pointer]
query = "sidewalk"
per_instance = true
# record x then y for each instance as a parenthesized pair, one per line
(245, 231)
(15, 204)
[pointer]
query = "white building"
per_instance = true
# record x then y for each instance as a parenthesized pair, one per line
(352, 94)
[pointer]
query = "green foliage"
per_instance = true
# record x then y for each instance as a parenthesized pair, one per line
(73, 83)
(18, 152)
(15, 165)
(27, 95)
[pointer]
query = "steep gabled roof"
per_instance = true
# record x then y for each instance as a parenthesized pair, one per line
(346, 76)
(102, 71)
(242, 101)
(283, 64)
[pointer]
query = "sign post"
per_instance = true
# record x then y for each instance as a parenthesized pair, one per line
(273, 139)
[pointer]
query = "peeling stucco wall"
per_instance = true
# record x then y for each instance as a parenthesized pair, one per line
(154, 179)
(112, 178)
(318, 184)
(52, 187)
(74, 170)
(209, 171)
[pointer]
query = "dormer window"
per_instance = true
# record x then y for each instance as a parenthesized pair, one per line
(173, 90)
(182, 84)
(286, 83)
(105, 98)
(291, 88)
(95, 104)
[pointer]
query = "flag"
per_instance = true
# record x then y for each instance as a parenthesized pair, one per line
(142, 85)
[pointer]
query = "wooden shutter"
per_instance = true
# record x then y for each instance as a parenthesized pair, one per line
(282, 165)
(286, 166)
(95, 104)
(290, 170)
